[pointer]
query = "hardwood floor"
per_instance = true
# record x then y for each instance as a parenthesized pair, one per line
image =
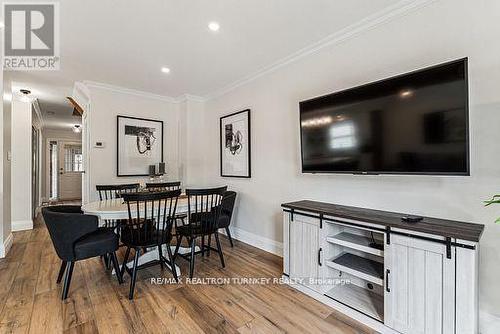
(30, 298)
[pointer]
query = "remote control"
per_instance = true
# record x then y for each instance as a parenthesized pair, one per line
(412, 219)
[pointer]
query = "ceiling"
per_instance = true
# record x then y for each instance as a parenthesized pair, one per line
(57, 112)
(126, 43)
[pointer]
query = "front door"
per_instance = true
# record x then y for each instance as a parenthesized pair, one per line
(70, 170)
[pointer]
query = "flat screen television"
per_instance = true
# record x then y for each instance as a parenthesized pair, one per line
(415, 123)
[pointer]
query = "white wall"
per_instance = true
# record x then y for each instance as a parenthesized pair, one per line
(47, 135)
(5, 233)
(105, 106)
(5, 112)
(21, 165)
(439, 32)
(194, 114)
(7, 129)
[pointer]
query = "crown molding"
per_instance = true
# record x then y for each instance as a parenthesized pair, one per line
(80, 89)
(123, 90)
(189, 97)
(381, 17)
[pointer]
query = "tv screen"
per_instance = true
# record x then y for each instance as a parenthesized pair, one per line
(415, 123)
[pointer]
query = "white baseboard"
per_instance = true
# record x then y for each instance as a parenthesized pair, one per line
(255, 240)
(6, 245)
(22, 225)
(488, 323)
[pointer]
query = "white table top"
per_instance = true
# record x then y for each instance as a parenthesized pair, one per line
(117, 208)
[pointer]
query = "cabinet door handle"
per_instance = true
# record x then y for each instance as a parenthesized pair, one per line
(387, 272)
(319, 257)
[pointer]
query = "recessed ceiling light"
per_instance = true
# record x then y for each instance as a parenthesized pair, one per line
(214, 26)
(2, 25)
(165, 70)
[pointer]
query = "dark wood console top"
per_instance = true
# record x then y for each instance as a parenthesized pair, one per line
(436, 226)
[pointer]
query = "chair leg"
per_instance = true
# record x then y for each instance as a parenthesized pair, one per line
(108, 261)
(177, 236)
(179, 240)
(229, 236)
(125, 259)
(191, 262)
(160, 256)
(219, 249)
(118, 272)
(61, 272)
(172, 263)
(67, 279)
(134, 275)
(202, 246)
(209, 244)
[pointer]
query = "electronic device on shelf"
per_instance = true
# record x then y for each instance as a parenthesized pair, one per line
(414, 123)
(412, 219)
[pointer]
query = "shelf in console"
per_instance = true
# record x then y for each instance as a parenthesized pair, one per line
(363, 300)
(354, 241)
(369, 270)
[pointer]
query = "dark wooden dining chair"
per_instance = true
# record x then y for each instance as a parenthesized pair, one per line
(163, 186)
(167, 186)
(112, 191)
(227, 207)
(151, 216)
(76, 237)
(204, 207)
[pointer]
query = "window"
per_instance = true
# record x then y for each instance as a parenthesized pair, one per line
(73, 158)
(342, 136)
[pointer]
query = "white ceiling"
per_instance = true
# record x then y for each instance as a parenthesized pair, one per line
(125, 43)
(57, 113)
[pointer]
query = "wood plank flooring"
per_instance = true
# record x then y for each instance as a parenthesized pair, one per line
(30, 298)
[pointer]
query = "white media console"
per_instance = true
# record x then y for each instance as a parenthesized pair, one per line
(394, 277)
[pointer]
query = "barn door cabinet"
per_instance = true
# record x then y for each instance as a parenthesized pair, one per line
(395, 277)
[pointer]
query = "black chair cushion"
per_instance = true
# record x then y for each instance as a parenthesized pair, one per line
(200, 223)
(99, 242)
(192, 229)
(145, 235)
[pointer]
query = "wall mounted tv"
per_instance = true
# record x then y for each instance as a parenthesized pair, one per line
(415, 123)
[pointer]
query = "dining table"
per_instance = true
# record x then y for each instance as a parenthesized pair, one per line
(116, 209)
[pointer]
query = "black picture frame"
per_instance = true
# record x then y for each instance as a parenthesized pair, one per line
(222, 137)
(118, 173)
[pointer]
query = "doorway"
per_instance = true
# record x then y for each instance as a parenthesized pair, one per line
(65, 170)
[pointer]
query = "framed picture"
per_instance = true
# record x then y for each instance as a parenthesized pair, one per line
(235, 145)
(139, 145)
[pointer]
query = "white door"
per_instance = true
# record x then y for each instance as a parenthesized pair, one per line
(304, 249)
(420, 286)
(70, 170)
